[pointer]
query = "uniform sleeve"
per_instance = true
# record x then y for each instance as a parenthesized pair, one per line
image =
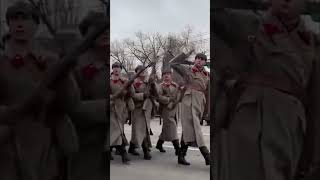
(232, 45)
(67, 93)
(163, 99)
(131, 90)
(138, 96)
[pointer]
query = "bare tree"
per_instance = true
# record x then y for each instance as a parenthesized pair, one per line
(146, 48)
(119, 54)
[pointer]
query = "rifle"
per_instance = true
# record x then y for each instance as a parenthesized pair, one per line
(129, 83)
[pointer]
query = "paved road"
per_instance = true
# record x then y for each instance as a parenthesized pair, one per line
(163, 165)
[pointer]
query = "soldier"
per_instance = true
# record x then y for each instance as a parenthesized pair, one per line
(273, 86)
(192, 108)
(141, 116)
(118, 112)
(34, 138)
(168, 98)
(91, 118)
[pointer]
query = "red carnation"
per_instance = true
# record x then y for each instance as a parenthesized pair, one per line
(270, 29)
(89, 71)
(194, 70)
(137, 84)
(166, 84)
(17, 61)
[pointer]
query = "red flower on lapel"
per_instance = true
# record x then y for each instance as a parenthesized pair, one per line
(115, 81)
(89, 71)
(194, 70)
(17, 61)
(137, 84)
(166, 84)
(271, 29)
(305, 36)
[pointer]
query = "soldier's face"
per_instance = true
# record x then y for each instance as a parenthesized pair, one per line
(288, 8)
(167, 77)
(199, 62)
(116, 71)
(22, 27)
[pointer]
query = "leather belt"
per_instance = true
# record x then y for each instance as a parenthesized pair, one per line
(197, 88)
(276, 83)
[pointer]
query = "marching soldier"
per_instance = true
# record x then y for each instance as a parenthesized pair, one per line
(273, 87)
(141, 116)
(168, 98)
(34, 139)
(118, 112)
(193, 106)
(91, 117)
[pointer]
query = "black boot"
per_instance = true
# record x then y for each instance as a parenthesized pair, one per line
(110, 154)
(206, 154)
(117, 152)
(146, 152)
(124, 155)
(176, 146)
(182, 153)
(132, 150)
(159, 146)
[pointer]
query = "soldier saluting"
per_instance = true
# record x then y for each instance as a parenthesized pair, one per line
(193, 106)
(33, 143)
(276, 89)
(118, 108)
(169, 94)
(141, 116)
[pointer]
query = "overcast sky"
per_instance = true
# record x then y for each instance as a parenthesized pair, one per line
(164, 16)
